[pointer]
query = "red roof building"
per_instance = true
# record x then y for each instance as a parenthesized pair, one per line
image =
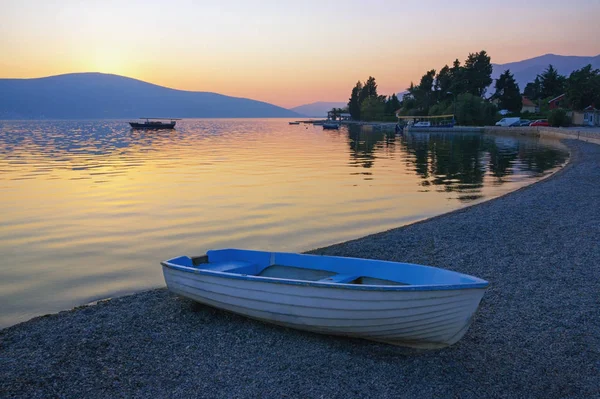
(528, 106)
(558, 102)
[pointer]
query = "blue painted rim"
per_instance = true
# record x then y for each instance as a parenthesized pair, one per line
(273, 280)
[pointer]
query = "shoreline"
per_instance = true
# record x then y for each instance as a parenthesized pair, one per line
(532, 336)
(126, 293)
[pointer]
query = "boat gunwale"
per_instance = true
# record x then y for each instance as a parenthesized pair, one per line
(477, 284)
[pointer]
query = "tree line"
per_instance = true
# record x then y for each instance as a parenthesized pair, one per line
(460, 90)
(453, 90)
(457, 90)
(581, 88)
(367, 105)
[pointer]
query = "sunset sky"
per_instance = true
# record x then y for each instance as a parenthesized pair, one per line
(285, 53)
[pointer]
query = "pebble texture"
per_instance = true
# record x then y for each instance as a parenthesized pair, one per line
(536, 334)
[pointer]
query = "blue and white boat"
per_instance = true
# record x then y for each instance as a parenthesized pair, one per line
(398, 303)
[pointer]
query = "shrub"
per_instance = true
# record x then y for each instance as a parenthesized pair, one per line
(558, 117)
(474, 111)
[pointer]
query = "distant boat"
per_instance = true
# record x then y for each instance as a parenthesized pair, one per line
(294, 123)
(331, 125)
(397, 303)
(154, 123)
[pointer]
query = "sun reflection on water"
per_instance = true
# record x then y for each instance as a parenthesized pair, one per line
(89, 208)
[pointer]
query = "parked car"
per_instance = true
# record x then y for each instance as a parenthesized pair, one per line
(540, 122)
(508, 122)
(525, 122)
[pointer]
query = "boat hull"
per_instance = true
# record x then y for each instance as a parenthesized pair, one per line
(152, 126)
(415, 318)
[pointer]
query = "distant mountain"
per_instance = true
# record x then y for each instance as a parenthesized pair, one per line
(318, 109)
(525, 71)
(97, 95)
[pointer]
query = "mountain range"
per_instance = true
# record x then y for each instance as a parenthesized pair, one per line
(98, 95)
(525, 71)
(318, 109)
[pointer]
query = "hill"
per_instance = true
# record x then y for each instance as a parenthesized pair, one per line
(318, 109)
(525, 71)
(97, 95)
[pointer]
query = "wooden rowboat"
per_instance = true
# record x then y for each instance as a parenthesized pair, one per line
(398, 303)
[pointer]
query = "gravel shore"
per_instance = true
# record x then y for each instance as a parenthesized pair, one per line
(536, 334)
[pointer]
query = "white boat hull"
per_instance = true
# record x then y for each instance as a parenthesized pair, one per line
(418, 318)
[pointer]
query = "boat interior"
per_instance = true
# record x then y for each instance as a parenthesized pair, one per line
(322, 269)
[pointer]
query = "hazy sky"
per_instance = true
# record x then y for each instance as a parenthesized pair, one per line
(283, 52)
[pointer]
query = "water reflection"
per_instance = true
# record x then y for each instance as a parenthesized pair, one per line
(456, 162)
(365, 141)
(90, 207)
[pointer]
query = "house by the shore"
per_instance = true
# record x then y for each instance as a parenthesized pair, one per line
(558, 102)
(589, 116)
(528, 106)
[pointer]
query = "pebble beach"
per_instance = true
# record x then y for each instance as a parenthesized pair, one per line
(536, 333)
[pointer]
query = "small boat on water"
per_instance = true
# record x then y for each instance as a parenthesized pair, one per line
(155, 123)
(397, 303)
(331, 125)
(294, 123)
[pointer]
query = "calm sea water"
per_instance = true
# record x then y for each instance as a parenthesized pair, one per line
(89, 208)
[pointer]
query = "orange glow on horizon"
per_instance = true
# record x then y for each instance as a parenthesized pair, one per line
(271, 53)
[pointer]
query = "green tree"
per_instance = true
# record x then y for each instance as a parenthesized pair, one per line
(442, 108)
(474, 111)
(408, 104)
(354, 102)
(438, 94)
(373, 108)
(366, 104)
(477, 73)
(369, 89)
(507, 91)
(336, 113)
(533, 90)
(392, 104)
(443, 84)
(558, 117)
(457, 78)
(583, 87)
(423, 94)
(552, 84)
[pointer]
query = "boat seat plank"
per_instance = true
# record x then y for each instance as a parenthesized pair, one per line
(232, 266)
(294, 273)
(340, 278)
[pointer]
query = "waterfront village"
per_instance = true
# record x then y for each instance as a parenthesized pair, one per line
(466, 95)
